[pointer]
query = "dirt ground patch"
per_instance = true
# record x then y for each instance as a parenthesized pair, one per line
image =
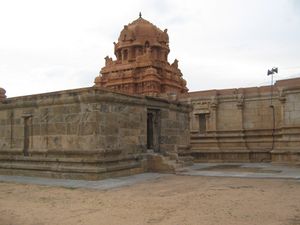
(171, 200)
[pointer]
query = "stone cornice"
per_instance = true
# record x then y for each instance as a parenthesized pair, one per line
(89, 95)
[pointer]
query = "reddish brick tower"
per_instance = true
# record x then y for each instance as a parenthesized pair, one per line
(142, 65)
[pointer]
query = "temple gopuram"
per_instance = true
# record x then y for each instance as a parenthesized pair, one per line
(141, 66)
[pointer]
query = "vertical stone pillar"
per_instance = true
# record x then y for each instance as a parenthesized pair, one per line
(214, 120)
(11, 118)
(213, 116)
(195, 122)
(207, 116)
(193, 117)
(5, 136)
(239, 115)
(240, 119)
(282, 99)
(282, 124)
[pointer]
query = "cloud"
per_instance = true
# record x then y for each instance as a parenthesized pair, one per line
(53, 45)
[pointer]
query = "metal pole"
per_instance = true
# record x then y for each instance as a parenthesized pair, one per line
(271, 90)
(271, 72)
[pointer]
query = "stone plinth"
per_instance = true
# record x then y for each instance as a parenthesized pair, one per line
(89, 133)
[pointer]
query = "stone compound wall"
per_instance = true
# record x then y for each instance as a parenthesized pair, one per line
(175, 133)
(241, 125)
(86, 133)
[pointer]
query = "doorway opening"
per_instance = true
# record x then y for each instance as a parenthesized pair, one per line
(202, 123)
(26, 135)
(153, 129)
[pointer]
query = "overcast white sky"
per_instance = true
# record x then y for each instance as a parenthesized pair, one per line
(49, 45)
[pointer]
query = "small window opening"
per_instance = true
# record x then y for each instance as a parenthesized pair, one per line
(147, 45)
(202, 123)
(125, 54)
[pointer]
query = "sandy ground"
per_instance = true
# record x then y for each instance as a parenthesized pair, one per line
(171, 200)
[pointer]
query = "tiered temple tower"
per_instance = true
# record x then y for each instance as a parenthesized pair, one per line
(141, 65)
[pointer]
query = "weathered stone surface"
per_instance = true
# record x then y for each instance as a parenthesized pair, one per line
(240, 125)
(99, 121)
(96, 133)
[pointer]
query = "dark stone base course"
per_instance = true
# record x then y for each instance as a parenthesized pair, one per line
(286, 156)
(72, 175)
(231, 156)
(274, 156)
(60, 154)
(88, 167)
(88, 133)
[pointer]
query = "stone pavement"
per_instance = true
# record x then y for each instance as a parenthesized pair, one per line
(241, 170)
(99, 184)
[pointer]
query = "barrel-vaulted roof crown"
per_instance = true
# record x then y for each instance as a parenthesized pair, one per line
(141, 32)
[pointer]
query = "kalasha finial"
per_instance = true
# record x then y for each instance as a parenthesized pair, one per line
(140, 15)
